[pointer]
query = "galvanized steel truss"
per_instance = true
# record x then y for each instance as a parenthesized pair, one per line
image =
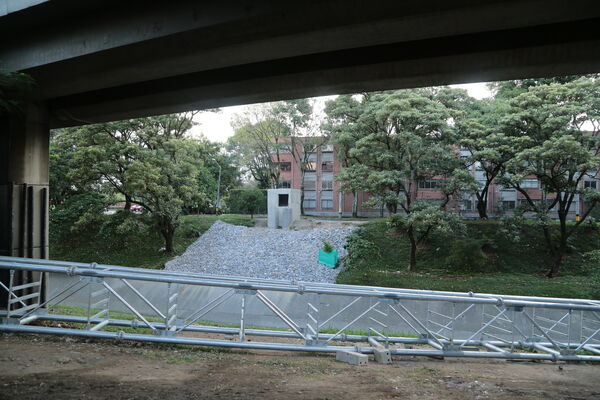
(447, 324)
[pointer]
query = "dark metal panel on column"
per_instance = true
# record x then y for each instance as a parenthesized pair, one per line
(24, 178)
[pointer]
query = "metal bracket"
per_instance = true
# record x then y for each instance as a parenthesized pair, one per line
(251, 292)
(452, 348)
(91, 279)
(568, 352)
(9, 321)
(315, 343)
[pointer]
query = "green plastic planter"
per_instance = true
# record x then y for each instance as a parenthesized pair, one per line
(328, 259)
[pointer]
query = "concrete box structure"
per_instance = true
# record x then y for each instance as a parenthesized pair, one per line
(283, 207)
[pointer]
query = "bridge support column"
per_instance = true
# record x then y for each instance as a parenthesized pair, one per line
(24, 178)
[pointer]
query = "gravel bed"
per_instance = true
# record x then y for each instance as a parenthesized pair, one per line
(262, 253)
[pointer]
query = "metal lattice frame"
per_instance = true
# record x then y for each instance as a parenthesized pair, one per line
(510, 327)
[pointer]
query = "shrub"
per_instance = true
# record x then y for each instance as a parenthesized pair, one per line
(467, 255)
(590, 265)
(124, 229)
(80, 214)
(511, 228)
(327, 247)
(247, 201)
(360, 250)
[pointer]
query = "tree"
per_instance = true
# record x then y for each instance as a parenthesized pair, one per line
(248, 201)
(149, 161)
(162, 180)
(558, 153)
(15, 87)
(258, 143)
(212, 156)
(103, 155)
(512, 89)
(488, 146)
(304, 138)
(342, 126)
(267, 132)
(397, 140)
(62, 148)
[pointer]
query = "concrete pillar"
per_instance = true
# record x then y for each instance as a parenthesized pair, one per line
(24, 178)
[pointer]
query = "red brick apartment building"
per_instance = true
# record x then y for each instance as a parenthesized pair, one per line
(322, 195)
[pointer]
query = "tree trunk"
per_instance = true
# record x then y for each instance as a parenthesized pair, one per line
(412, 261)
(392, 208)
(302, 197)
(127, 203)
(562, 247)
(553, 272)
(168, 233)
(482, 209)
(354, 204)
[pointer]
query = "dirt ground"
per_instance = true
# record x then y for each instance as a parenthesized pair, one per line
(44, 367)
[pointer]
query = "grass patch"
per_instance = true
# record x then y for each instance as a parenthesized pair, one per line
(379, 257)
(145, 252)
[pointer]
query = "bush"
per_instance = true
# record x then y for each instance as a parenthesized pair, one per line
(327, 246)
(467, 255)
(247, 201)
(511, 228)
(590, 265)
(80, 214)
(360, 250)
(124, 229)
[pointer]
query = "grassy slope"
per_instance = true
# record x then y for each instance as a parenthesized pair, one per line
(509, 268)
(146, 252)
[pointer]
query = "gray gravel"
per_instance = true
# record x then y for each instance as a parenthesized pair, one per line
(262, 253)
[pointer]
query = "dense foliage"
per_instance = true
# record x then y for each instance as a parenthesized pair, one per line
(483, 258)
(151, 162)
(247, 201)
(546, 131)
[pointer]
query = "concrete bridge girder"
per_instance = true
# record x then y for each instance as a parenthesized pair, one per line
(103, 60)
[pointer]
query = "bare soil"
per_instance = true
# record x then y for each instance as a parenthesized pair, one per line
(43, 367)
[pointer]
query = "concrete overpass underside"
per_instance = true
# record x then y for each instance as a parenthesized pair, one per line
(104, 60)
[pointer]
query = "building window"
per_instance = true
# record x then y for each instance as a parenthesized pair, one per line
(284, 200)
(466, 205)
(326, 204)
(430, 184)
(508, 205)
(327, 156)
(590, 184)
(285, 166)
(327, 166)
(524, 204)
(284, 184)
(326, 199)
(310, 181)
(310, 176)
(327, 161)
(529, 183)
(310, 199)
(326, 180)
(327, 148)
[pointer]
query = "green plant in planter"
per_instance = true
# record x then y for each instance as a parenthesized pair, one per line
(328, 256)
(327, 247)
